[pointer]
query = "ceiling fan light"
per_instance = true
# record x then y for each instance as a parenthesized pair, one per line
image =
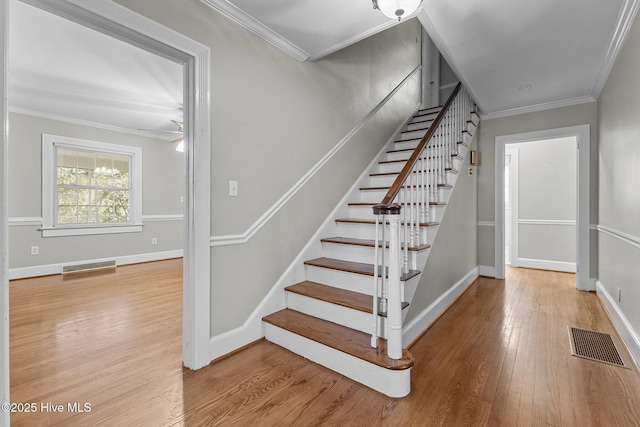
(396, 9)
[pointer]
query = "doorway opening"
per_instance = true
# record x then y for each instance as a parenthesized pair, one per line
(119, 22)
(537, 206)
(540, 206)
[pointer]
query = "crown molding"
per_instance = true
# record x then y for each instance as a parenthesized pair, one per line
(80, 122)
(538, 107)
(627, 15)
(258, 28)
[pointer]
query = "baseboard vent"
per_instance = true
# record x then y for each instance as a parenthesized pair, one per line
(596, 346)
(91, 266)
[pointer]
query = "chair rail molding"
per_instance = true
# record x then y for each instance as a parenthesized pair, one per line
(620, 235)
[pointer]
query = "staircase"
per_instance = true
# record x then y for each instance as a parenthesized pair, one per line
(331, 317)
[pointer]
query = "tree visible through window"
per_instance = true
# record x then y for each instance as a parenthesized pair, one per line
(92, 187)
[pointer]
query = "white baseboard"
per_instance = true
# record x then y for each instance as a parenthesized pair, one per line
(542, 264)
(49, 269)
(417, 326)
(622, 325)
(486, 271)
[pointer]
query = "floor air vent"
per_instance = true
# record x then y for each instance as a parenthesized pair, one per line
(596, 346)
(91, 266)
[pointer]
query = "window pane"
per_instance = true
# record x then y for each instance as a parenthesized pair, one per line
(92, 187)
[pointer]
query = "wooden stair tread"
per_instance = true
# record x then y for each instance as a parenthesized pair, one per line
(373, 222)
(367, 243)
(352, 267)
(342, 297)
(352, 342)
(415, 130)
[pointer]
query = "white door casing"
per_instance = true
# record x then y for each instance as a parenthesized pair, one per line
(119, 22)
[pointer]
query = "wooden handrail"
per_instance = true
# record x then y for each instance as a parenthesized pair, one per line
(397, 184)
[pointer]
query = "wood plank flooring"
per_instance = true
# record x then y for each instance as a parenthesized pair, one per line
(498, 357)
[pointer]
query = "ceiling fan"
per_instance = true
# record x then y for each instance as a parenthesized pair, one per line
(179, 132)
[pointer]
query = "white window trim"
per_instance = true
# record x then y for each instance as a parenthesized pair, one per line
(49, 167)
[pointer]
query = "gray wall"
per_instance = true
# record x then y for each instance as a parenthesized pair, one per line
(547, 193)
(273, 118)
(162, 189)
(619, 178)
(529, 122)
(447, 78)
(453, 254)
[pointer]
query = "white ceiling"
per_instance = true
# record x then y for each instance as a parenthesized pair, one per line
(562, 49)
(60, 68)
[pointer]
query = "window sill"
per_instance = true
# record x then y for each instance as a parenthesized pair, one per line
(84, 231)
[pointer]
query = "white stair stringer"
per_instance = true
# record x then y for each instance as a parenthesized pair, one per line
(394, 383)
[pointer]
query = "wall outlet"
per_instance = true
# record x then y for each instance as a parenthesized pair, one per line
(35, 250)
(233, 188)
(154, 240)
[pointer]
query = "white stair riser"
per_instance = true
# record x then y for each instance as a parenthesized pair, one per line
(356, 231)
(354, 319)
(353, 253)
(421, 123)
(366, 212)
(424, 115)
(381, 181)
(390, 382)
(412, 134)
(365, 254)
(340, 279)
(375, 196)
(388, 167)
(404, 145)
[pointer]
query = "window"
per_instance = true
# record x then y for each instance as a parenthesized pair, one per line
(90, 187)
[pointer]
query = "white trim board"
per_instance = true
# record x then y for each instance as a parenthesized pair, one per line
(80, 122)
(538, 107)
(547, 221)
(253, 329)
(623, 25)
(620, 235)
(622, 325)
(416, 327)
(543, 264)
(486, 224)
(50, 269)
(487, 270)
(37, 221)
(238, 239)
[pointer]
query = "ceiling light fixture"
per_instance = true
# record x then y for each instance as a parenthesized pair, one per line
(396, 8)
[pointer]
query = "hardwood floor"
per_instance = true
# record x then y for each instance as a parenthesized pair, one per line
(498, 357)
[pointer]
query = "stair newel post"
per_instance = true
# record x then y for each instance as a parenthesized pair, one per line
(394, 311)
(376, 288)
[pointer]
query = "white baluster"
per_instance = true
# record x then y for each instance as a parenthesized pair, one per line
(394, 312)
(374, 329)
